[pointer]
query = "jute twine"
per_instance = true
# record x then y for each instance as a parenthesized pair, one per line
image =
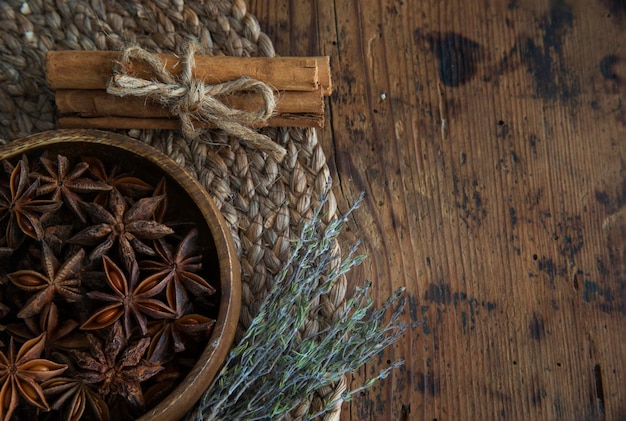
(264, 201)
(191, 99)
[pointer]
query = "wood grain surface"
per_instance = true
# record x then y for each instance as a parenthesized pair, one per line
(489, 139)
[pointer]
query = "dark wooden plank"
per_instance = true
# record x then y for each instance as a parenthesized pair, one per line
(489, 138)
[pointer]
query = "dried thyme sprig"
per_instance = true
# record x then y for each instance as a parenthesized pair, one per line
(269, 373)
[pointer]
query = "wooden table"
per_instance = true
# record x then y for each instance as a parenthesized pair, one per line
(489, 139)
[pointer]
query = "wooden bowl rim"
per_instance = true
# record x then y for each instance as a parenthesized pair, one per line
(189, 391)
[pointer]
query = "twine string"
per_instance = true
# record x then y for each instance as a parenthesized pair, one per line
(191, 99)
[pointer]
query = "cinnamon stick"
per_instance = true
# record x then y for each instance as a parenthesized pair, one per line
(93, 69)
(286, 120)
(323, 69)
(93, 103)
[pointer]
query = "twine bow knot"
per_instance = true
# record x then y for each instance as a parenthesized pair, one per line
(191, 99)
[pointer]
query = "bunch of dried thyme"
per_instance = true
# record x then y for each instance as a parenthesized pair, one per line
(269, 373)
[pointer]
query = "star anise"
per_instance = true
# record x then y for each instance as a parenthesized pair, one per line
(125, 226)
(126, 184)
(117, 367)
(59, 334)
(65, 183)
(4, 310)
(131, 299)
(56, 236)
(21, 207)
(22, 374)
(56, 279)
(162, 385)
(5, 252)
(145, 322)
(161, 210)
(180, 269)
(167, 335)
(76, 396)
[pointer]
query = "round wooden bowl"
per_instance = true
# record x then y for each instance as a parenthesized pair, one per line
(151, 165)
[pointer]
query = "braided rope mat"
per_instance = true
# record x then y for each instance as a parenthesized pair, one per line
(264, 202)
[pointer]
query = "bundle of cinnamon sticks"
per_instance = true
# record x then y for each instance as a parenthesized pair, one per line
(80, 79)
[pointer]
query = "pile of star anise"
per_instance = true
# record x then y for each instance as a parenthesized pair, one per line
(104, 305)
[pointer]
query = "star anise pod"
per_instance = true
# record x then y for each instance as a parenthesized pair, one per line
(125, 226)
(5, 252)
(65, 183)
(56, 236)
(4, 310)
(161, 210)
(126, 184)
(180, 268)
(56, 279)
(167, 335)
(131, 299)
(21, 375)
(59, 334)
(117, 367)
(162, 385)
(21, 207)
(76, 396)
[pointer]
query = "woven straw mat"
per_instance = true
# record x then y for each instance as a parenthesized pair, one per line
(264, 202)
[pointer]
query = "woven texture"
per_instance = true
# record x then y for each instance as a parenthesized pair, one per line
(264, 202)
